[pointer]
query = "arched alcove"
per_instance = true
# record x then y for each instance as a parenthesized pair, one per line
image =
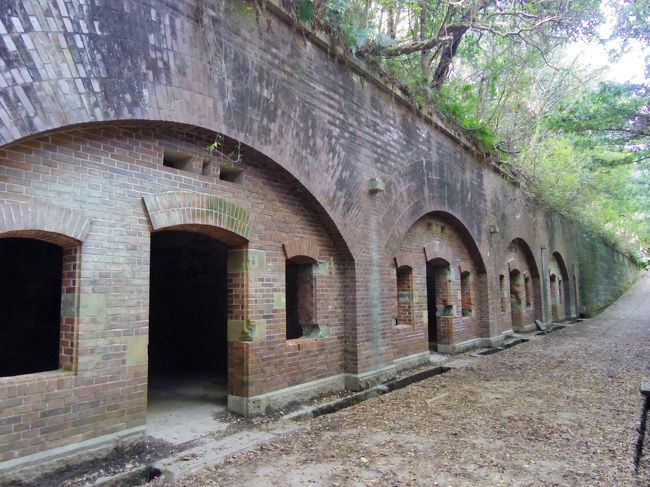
(449, 280)
(524, 287)
(560, 288)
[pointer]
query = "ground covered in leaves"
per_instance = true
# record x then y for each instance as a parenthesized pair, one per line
(558, 410)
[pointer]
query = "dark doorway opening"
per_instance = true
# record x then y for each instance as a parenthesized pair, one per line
(30, 299)
(188, 317)
(438, 297)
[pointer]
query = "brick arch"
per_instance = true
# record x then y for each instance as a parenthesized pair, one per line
(438, 250)
(287, 155)
(281, 128)
(62, 226)
(393, 243)
(404, 259)
(212, 215)
(569, 304)
(518, 263)
(422, 187)
(528, 254)
(561, 265)
(301, 248)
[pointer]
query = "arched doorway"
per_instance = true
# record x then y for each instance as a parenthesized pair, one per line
(556, 298)
(196, 293)
(560, 288)
(188, 317)
(439, 302)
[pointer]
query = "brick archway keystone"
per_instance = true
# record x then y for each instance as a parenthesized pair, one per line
(179, 208)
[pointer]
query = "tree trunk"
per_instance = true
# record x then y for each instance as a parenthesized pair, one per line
(447, 56)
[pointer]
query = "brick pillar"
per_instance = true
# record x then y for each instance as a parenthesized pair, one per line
(246, 326)
(69, 308)
(237, 316)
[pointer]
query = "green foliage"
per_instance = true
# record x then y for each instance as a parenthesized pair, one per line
(305, 10)
(632, 21)
(458, 102)
(613, 119)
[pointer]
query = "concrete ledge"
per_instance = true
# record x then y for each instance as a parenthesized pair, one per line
(26, 469)
(261, 404)
(365, 380)
(474, 343)
(525, 329)
(460, 347)
(414, 360)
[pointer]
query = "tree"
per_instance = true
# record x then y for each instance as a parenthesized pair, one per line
(614, 118)
(438, 27)
(632, 23)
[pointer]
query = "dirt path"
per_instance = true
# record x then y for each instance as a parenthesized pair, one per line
(560, 410)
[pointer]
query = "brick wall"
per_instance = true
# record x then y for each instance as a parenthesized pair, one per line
(106, 171)
(325, 129)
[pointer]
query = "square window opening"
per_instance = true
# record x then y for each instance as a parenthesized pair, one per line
(404, 296)
(177, 160)
(231, 173)
(34, 277)
(300, 297)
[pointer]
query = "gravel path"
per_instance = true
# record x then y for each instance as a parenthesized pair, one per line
(558, 410)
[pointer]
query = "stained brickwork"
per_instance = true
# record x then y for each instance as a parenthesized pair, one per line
(95, 96)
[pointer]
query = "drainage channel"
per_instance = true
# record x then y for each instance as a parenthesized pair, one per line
(353, 399)
(390, 386)
(505, 346)
(550, 330)
(134, 478)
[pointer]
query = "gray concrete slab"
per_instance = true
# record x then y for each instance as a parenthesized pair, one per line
(182, 408)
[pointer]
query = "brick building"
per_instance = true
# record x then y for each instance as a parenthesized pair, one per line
(190, 189)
